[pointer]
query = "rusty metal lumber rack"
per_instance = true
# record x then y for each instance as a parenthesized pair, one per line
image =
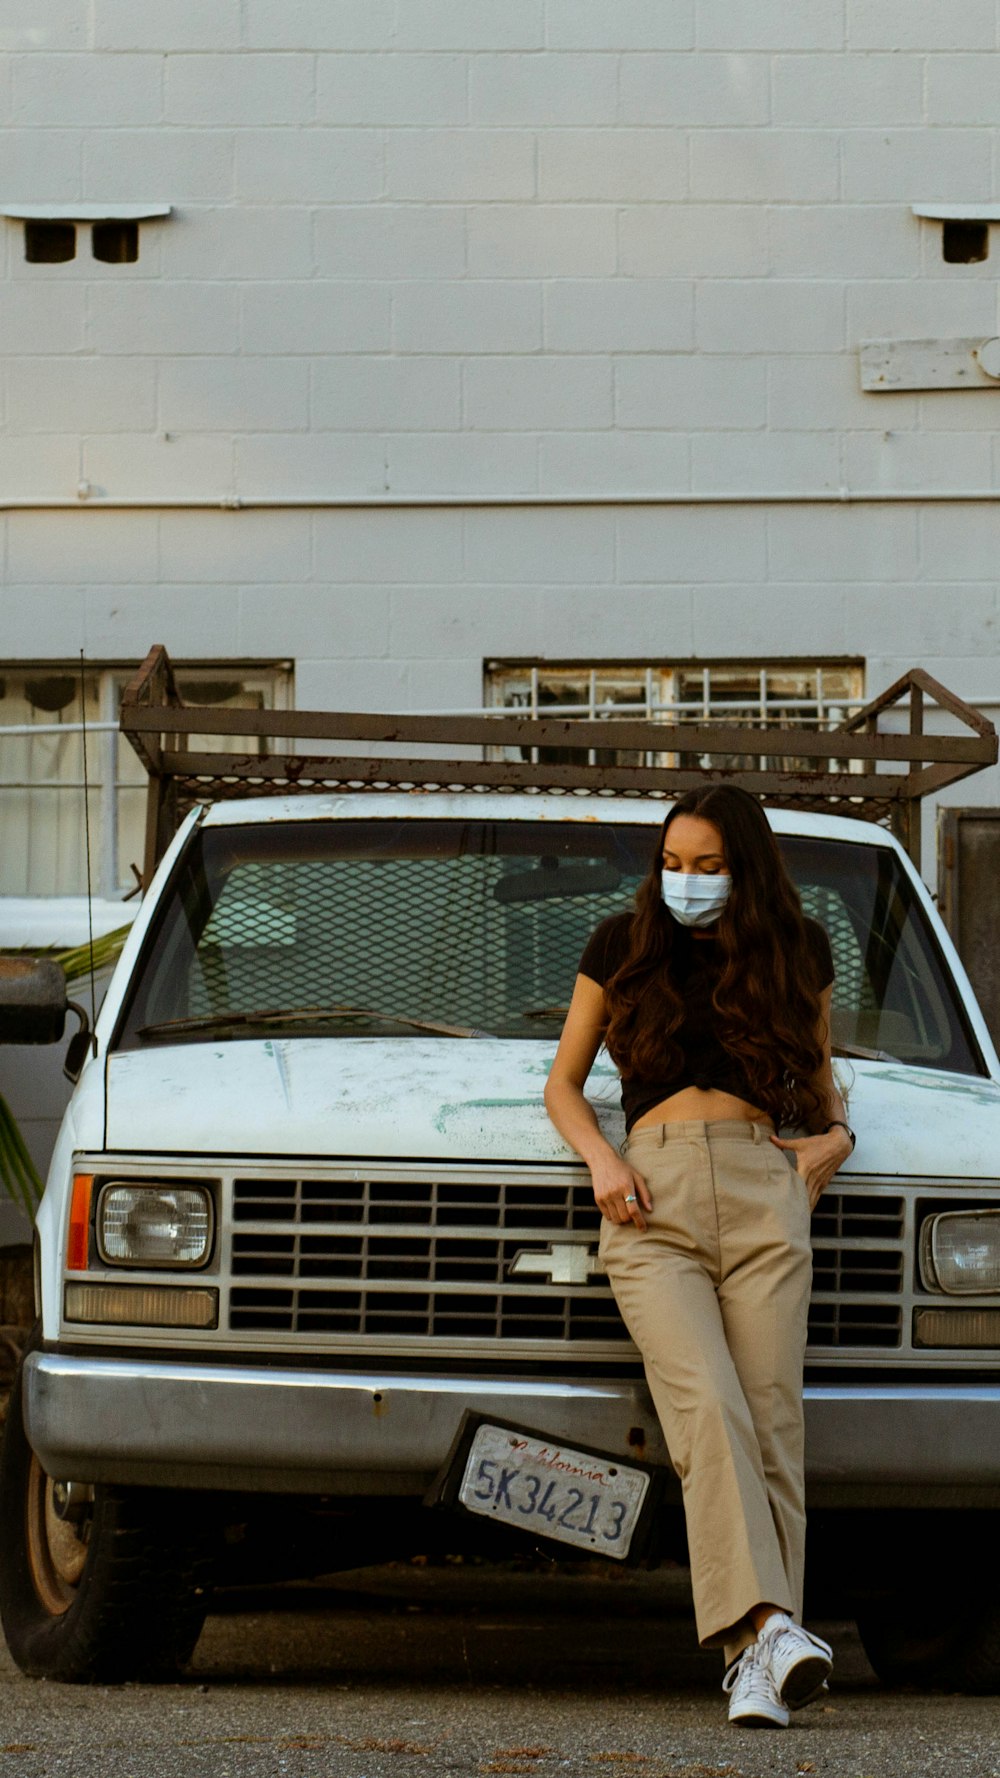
(860, 768)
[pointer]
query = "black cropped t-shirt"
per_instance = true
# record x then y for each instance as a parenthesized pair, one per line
(705, 1063)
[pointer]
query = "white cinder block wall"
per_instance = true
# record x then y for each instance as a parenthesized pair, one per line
(474, 251)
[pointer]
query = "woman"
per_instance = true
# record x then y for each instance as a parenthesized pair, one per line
(713, 999)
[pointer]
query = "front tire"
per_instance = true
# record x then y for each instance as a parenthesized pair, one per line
(115, 1589)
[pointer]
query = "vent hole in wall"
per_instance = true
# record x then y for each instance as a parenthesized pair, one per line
(965, 243)
(49, 243)
(117, 243)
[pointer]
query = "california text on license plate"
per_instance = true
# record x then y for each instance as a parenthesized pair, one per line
(548, 1488)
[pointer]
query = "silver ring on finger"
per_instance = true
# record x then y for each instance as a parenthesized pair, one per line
(630, 1199)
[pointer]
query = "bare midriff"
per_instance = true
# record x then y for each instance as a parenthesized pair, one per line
(707, 1107)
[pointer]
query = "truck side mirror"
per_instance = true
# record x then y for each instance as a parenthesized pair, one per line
(33, 1000)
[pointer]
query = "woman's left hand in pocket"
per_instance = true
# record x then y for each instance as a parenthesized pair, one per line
(817, 1158)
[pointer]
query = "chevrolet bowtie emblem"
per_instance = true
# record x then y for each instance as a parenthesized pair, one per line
(562, 1262)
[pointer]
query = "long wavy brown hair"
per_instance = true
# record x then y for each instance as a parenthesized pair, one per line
(766, 997)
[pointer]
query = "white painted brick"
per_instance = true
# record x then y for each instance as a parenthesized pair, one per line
(518, 621)
(690, 393)
(43, 166)
(726, 462)
(483, 464)
(309, 463)
(543, 89)
(386, 394)
(237, 242)
(783, 620)
(42, 623)
(825, 393)
(619, 24)
(357, 684)
(550, 394)
(919, 460)
(951, 410)
(693, 240)
(763, 166)
(231, 547)
(951, 619)
(76, 547)
(917, 164)
(963, 89)
(315, 318)
(689, 544)
(391, 89)
(165, 166)
(958, 543)
(144, 466)
(613, 462)
(869, 543)
(619, 315)
(276, 620)
(920, 24)
(390, 241)
(62, 24)
(88, 89)
(32, 466)
(42, 317)
(188, 620)
(319, 24)
(694, 89)
(228, 89)
(938, 309)
(6, 83)
(848, 89)
(392, 547)
(454, 24)
(844, 241)
(770, 25)
(309, 166)
(542, 241)
(558, 545)
(81, 395)
(160, 318)
(445, 684)
(460, 165)
(625, 164)
(741, 316)
(233, 395)
(472, 317)
(170, 25)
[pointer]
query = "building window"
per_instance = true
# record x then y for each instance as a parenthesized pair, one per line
(728, 694)
(41, 770)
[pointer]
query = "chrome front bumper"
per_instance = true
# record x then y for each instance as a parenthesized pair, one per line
(146, 1421)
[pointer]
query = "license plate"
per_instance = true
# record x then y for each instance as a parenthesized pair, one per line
(545, 1487)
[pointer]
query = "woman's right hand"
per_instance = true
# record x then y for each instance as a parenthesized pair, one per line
(615, 1182)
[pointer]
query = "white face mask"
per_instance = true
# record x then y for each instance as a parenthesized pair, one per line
(693, 897)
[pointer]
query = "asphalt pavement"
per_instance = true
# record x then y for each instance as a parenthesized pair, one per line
(410, 1671)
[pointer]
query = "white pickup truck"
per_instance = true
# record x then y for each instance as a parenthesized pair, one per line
(306, 1209)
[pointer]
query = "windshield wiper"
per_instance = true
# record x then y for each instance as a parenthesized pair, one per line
(863, 1054)
(301, 1015)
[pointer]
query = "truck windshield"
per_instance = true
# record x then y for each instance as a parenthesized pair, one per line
(417, 928)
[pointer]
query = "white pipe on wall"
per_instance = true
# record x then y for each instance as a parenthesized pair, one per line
(251, 502)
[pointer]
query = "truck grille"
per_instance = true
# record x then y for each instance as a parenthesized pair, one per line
(430, 1257)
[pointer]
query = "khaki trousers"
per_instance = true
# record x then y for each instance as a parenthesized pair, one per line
(715, 1293)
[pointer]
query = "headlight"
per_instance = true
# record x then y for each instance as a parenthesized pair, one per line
(154, 1225)
(960, 1252)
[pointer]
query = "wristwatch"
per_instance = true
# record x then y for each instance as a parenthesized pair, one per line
(838, 1123)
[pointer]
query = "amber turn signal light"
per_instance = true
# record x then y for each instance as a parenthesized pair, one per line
(78, 1235)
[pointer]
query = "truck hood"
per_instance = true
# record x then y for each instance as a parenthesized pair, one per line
(460, 1100)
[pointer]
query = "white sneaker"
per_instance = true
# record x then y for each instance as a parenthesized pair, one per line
(753, 1699)
(798, 1662)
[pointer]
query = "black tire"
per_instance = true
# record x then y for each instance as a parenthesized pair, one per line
(121, 1595)
(951, 1644)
